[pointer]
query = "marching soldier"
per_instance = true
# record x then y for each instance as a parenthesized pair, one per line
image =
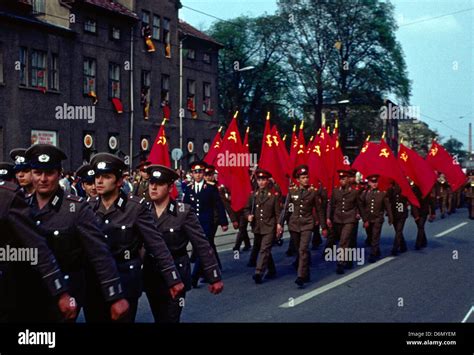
(375, 204)
(67, 224)
(204, 199)
(399, 205)
(344, 211)
(420, 214)
(22, 171)
(179, 226)
(140, 187)
(323, 197)
(86, 175)
(128, 225)
(469, 193)
(360, 188)
(443, 194)
(262, 211)
(303, 211)
(18, 230)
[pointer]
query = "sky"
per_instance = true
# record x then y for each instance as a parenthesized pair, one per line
(437, 38)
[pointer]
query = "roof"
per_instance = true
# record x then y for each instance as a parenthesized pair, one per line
(112, 6)
(189, 30)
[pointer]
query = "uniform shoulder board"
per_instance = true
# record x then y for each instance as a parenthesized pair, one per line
(8, 186)
(74, 198)
(212, 183)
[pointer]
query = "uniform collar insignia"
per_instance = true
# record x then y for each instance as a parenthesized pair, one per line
(172, 208)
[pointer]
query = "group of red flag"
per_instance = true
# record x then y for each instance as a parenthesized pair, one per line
(324, 157)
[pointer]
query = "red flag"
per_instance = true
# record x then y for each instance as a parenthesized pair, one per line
(442, 161)
(379, 159)
(214, 149)
(301, 156)
(315, 163)
(417, 169)
(233, 172)
(293, 150)
(159, 153)
(281, 159)
(118, 105)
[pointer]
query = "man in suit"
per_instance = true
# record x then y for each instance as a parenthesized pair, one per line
(204, 199)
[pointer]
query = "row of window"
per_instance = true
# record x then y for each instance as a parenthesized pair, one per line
(35, 71)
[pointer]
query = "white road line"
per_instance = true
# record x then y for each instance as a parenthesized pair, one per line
(298, 300)
(451, 229)
(468, 315)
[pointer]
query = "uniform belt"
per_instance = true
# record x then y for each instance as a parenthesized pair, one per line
(179, 253)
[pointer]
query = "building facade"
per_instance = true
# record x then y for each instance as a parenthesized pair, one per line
(100, 75)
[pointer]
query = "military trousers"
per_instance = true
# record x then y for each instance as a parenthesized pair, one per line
(421, 240)
(399, 241)
(302, 241)
(373, 233)
(263, 243)
(343, 233)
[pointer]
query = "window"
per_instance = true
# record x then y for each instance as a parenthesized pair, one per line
(156, 27)
(206, 58)
(165, 88)
(146, 84)
(206, 97)
(114, 33)
(145, 23)
(167, 37)
(114, 80)
(38, 69)
(191, 54)
(54, 72)
(89, 76)
(191, 103)
(38, 7)
(23, 66)
(90, 26)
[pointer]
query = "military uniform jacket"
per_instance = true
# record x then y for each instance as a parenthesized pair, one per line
(224, 193)
(128, 225)
(141, 189)
(16, 226)
(375, 203)
(204, 203)
(424, 209)
(265, 206)
(304, 209)
(469, 189)
(398, 202)
(442, 189)
(345, 206)
(179, 225)
(67, 222)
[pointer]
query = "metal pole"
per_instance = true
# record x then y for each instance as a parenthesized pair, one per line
(181, 111)
(131, 100)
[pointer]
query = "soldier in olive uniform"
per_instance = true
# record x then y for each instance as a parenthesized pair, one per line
(469, 194)
(344, 211)
(140, 187)
(18, 230)
(22, 171)
(375, 204)
(420, 214)
(67, 224)
(443, 194)
(86, 175)
(399, 205)
(323, 197)
(303, 211)
(128, 225)
(263, 210)
(179, 225)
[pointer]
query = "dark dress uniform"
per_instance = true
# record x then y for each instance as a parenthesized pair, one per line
(264, 205)
(344, 211)
(179, 226)
(18, 230)
(375, 204)
(205, 202)
(128, 226)
(420, 214)
(399, 205)
(67, 224)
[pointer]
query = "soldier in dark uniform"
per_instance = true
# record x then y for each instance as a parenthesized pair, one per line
(360, 188)
(443, 194)
(263, 211)
(469, 194)
(140, 187)
(86, 175)
(303, 211)
(6, 172)
(399, 205)
(18, 230)
(375, 204)
(22, 171)
(128, 226)
(420, 214)
(323, 197)
(67, 224)
(344, 211)
(204, 199)
(179, 226)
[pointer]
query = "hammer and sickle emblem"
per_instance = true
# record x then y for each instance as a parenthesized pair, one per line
(295, 143)
(404, 156)
(275, 140)
(317, 149)
(300, 151)
(434, 151)
(232, 136)
(161, 140)
(217, 145)
(384, 153)
(269, 140)
(365, 147)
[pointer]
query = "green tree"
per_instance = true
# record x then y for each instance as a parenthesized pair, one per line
(455, 148)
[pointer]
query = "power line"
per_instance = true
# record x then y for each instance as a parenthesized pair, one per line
(436, 17)
(444, 124)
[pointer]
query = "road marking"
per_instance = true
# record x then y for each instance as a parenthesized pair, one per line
(298, 300)
(451, 229)
(468, 315)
